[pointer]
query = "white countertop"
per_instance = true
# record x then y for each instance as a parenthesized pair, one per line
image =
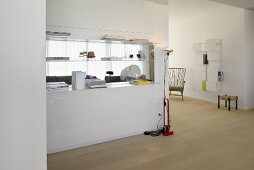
(109, 86)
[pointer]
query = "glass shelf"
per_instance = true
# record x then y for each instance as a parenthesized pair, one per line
(63, 57)
(103, 41)
(63, 61)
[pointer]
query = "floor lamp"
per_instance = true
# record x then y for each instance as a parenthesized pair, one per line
(167, 128)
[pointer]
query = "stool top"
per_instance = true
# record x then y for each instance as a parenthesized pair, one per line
(225, 97)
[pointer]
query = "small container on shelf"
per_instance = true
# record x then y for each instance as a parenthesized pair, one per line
(140, 82)
(57, 58)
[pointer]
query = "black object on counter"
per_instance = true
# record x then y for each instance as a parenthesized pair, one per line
(113, 79)
(66, 79)
(110, 73)
(205, 59)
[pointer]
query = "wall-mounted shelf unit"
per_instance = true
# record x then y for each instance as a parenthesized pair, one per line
(208, 56)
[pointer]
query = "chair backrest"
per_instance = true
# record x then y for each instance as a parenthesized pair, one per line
(177, 76)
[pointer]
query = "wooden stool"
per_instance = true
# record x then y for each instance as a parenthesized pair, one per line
(228, 100)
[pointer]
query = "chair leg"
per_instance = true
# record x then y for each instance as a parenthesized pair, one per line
(218, 102)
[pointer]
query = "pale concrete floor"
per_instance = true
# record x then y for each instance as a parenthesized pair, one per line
(205, 139)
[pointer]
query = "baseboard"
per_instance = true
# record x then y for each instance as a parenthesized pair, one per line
(51, 151)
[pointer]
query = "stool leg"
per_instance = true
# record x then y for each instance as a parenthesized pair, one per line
(236, 103)
(218, 102)
(226, 101)
(229, 100)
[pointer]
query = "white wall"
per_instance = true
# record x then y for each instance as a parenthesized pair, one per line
(22, 87)
(195, 21)
(249, 45)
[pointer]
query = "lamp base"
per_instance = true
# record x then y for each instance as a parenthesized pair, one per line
(166, 131)
(169, 133)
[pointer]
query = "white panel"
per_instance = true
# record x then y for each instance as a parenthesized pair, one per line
(213, 45)
(199, 59)
(214, 55)
(212, 75)
(199, 47)
(212, 70)
(213, 64)
(200, 75)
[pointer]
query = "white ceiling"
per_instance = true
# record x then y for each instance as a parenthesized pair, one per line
(163, 2)
(248, 4)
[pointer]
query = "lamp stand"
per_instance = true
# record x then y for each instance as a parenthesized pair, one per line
(167, 128)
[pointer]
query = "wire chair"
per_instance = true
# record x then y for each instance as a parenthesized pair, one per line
(177, 81)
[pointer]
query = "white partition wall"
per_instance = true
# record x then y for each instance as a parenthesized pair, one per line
(22, 87)
(86, 117)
